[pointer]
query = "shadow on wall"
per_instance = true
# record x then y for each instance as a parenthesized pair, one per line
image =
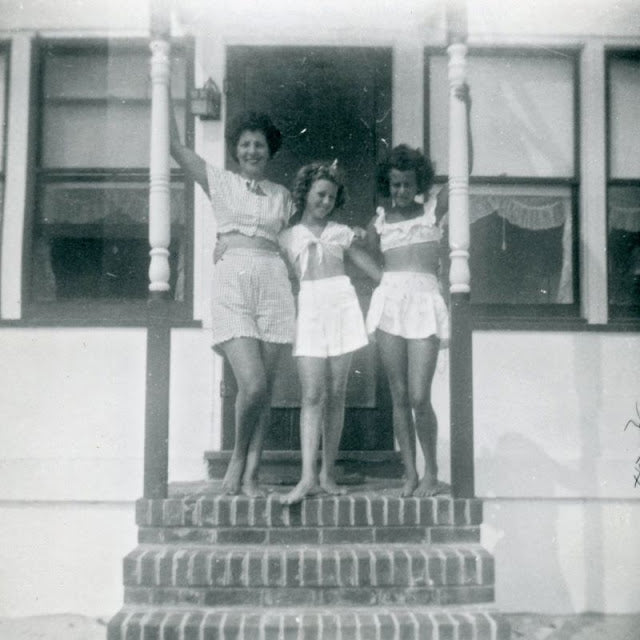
(523, 535)
(549, 551)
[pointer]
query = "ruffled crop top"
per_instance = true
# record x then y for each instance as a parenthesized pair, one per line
(407, 232)
(259, 209)
(297, 241)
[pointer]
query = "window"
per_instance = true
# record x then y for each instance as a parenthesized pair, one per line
(623, 187)
(523, 186)
(90, 231)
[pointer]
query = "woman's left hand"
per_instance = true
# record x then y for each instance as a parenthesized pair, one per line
(462, 92)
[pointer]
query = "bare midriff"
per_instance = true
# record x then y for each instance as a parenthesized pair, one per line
(329, 267)
(237, 240)
(419, 258)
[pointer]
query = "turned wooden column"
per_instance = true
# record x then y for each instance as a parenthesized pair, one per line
(461, 363)
(159, 167)
(156, 442)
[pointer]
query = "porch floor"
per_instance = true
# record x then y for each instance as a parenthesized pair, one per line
(362, 487)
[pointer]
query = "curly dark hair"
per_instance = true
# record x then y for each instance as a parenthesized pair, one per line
(253, 121)
(404, 158)
(305, 178)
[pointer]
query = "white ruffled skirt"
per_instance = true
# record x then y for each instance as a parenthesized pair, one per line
(410, 305)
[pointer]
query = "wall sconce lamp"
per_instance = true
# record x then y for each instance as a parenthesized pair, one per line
(206, 102)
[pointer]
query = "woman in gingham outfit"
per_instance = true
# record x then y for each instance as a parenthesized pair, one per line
(253, 311)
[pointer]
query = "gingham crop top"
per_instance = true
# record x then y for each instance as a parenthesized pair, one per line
(407, 232)
(261, 208)
(297, 241)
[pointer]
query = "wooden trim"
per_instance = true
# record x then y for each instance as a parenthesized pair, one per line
(556, 325)
(426, 112)
(5, 50)
(102, 174)
(17, 183)
(99, 313)
(158, 374)
(461, 398)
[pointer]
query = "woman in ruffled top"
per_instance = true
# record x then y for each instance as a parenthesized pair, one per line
(408, 314)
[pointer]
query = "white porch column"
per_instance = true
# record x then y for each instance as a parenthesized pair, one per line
(159, 163)
(156, 434)
(458, 173)
(461, 347)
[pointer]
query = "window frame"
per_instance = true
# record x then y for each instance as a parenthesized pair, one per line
(617, 312)
(96, 311)
(488, 315)
(5, 50)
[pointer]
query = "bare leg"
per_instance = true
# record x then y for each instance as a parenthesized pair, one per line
(313, 379)
(393, 351)
(423, 356)
(271, 352)
(334, 421)
(245, 358)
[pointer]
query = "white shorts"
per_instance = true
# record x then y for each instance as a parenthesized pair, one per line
(410, 305)
(329, 321)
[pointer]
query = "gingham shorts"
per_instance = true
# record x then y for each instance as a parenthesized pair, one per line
(251, 297)
(410, 305)
(330, 321)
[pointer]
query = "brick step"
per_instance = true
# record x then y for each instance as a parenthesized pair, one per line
(379, 623)
(309, 596)
(391, 565)
(308, 535)
(206, 509)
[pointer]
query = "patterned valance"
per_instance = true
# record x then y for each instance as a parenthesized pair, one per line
(528, 212)
(624, 218)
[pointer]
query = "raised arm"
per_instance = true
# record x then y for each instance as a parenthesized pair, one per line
(192, 164)
(442, 205)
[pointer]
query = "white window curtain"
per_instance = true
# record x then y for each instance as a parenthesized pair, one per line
(522, 116)
(624, 115)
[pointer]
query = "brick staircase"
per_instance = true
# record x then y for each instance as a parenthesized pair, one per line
(366, 566)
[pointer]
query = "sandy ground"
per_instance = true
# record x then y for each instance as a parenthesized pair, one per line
(525, 626)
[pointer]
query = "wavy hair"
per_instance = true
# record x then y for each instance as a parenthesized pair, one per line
(404, 158)
(305, 178)
(253, 121)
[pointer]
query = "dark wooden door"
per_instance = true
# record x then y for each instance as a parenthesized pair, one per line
(329, 103)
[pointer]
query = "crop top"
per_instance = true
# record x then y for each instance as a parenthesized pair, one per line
(261, 212)
(407, 232)
(296, 242)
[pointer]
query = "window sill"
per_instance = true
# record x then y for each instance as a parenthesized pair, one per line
(556, 324)
(92, 313)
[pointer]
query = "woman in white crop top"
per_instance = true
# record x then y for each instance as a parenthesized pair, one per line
(329, 326)
(253, 313)
(408, 314)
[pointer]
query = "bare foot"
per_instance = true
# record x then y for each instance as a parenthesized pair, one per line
(251, 489)
(428, 487)
(231, 480)
(299, 492)
(329, 486)
(409, 486)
